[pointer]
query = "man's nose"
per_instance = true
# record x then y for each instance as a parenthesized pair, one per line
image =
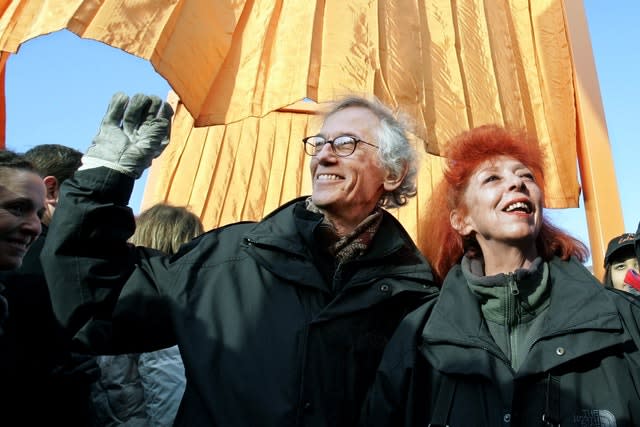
(326, 151)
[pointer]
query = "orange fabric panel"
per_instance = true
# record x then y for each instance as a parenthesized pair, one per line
(597, 171)
(228, 173)
(451, 65)
(186, 41)
(555, 82)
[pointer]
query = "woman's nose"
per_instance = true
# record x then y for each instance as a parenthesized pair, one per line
(32, 224)
(515, 182)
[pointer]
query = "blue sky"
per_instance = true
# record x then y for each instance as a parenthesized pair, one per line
(58, 87)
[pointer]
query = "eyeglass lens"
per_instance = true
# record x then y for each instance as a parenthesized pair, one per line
(342, 145)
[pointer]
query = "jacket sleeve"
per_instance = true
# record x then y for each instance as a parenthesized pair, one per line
(399, 391)
(104, 291)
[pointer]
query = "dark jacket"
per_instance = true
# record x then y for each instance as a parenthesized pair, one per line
(264, 338)
(41, 381)
(444, 366)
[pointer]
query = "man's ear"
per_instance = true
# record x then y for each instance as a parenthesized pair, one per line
(391, 182)
(460, 222)
(53, 189)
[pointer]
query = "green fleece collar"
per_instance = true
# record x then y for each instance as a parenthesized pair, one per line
(495, 293)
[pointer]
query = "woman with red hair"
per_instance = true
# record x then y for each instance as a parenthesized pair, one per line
(522, 334)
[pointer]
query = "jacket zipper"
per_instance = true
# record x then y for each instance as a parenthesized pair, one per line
(512, 314)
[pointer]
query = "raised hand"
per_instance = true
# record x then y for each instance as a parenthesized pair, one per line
(133, 132)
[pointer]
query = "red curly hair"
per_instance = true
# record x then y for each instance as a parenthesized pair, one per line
(464, 154)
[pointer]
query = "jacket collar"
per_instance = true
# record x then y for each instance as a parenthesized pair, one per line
(284, 237)
(291, 228)
(530, 284)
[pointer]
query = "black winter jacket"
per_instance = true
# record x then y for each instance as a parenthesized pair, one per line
(265, 342)
(41, 381)
(443, 366)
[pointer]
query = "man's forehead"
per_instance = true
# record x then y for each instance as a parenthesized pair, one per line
(349, 119)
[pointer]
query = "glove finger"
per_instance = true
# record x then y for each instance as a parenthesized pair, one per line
(115, 110)
(135, 113)
(154, 107)
(165, 112)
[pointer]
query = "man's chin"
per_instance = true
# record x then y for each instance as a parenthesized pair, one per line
(321, 202)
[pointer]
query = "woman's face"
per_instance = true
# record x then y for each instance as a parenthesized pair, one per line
(619, 268)
(502, 205)
(22, 196)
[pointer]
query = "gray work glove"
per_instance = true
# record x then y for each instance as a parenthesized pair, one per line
(133, 132)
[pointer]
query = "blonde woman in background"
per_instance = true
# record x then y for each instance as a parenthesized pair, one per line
(166, 228)
(145, 389)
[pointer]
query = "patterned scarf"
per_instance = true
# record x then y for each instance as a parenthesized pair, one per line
(352, 245)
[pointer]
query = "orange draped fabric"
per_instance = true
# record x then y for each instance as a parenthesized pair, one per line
(451, 65)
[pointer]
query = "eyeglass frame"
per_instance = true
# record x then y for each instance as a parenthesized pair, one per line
(355, 139)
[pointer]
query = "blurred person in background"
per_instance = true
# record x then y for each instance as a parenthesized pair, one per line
(55, 163)
(38, 364)
(21, 208)
(620, 263)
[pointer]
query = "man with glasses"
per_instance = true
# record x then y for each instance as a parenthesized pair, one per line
(280, 322)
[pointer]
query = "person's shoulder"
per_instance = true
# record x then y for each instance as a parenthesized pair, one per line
(569, 264)
(215, 237)
(230, 236)
(628, 310)
(624, 298)
(390, 220)
(573, 269)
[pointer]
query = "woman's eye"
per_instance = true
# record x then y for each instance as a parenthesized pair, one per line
(491, 178)
(17, 209)
(528, 176)
(619, 267)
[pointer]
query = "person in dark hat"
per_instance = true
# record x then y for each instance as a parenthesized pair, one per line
(618, 260)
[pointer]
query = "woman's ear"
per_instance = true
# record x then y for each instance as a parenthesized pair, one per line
(460, 222)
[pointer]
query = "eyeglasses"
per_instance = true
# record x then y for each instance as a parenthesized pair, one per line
(342, 146)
